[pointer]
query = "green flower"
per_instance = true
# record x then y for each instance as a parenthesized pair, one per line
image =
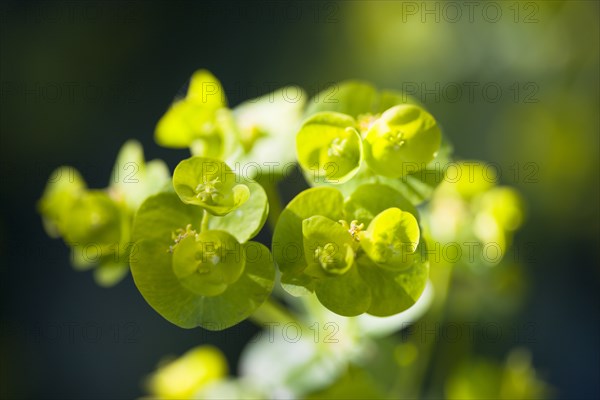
(359, 254)
(187, 375)
(354, 135)
(200, 120)
(468, 207)
(210, 184)
(329, 145)
(266, 127)
(96, 224)
(194, 264)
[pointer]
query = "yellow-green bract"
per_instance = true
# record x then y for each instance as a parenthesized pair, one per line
(354, 135)
(96, 224)
(403, 135)
(210, 184)
(330, 146)
(193, 277)
(318, 246)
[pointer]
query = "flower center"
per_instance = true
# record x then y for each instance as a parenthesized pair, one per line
(365, 121)
(396, 139)
(181, 234)
(208, 191)
(326, 256)
(354, 228)
(337, 147)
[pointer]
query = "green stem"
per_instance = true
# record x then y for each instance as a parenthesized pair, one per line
(204, 223)
(410, 384)
(271, 312)
(275, 206)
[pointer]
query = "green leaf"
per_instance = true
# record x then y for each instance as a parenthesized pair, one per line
(348, 97)
(390, 98)
(207, 263)
(205, 89)
(267, 127)
(153, 275)
(64, 187)
(109, 273)
(94, 218)
(186, 376)
(247, 220)
(328, 247)
(405, 138)
(158, 178)
(368, 200)
(329, 145)
(223, 140)
(184, 122)
(348, 294)
(210, 184)
(132, 179)
(394, 291)
(194, 118)
(392, 236)
(163, 218)
(470, 178)
(287, 238)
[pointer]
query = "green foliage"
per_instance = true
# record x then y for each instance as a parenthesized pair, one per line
(64, 187)
(254, 132)
(404, 134)
(353, 245)
(329, 144)
(320, 245)
(194, 118)
(210, 184)
(266, 127)
(96, 224)
(354, 135)
(194, 276)
(391, 238)
(471, 209)
(246, 220)
(185, 376)
(481, 378)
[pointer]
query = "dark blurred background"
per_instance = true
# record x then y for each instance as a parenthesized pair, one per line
(515, 83)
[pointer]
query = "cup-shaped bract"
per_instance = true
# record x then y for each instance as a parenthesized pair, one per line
(195, 121)
(210, 184)
(468, 207)
(205, 89)
(266, 127)
(246, 220)
(185, 376)
(64, 187)
(391, 238)
(349, 97)
(133, 179)
(193, 277)
(368, 200)
(208, 262)
(358, 99)
(94, 219)
(405, 135)
(329, 146)
(328, 247)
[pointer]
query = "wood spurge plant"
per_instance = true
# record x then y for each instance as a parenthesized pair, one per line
(360, 254)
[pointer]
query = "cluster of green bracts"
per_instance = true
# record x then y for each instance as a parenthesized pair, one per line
(96, 223)
(355, 239)
(196, 265)
(359, 254)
